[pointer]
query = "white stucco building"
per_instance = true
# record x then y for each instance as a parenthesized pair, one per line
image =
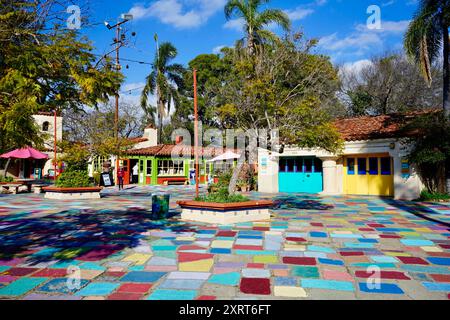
(373, 162)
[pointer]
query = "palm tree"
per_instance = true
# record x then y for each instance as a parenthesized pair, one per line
(426, 36)
(255, 21)
(163, 81)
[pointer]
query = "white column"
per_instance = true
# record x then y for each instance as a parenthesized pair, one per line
(330, 183)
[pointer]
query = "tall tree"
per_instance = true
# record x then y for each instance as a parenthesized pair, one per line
(44, 66)
(255, 21)
(163, 81)
(388, 84)
(286, 88)
(427, 38)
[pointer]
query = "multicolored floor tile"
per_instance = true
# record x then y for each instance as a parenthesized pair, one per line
(314, 247)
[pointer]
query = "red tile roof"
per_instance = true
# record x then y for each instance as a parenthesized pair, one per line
(164, 150)
(137, 140)
(375, 127)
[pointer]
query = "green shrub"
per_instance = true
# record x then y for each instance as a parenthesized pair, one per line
(6, 179)
(222, 196)
(97, 178)
(425, 195)
(73, 179)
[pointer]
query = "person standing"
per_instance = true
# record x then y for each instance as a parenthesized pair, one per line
(120, 176)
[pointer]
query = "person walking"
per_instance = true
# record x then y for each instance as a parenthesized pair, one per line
(120, 176)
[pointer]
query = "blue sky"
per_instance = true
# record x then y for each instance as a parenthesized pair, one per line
(199, 26)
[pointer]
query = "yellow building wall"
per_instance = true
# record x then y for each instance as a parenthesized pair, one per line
(368, 184)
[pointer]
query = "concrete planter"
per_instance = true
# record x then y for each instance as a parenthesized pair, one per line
(72, 193)
(225, 213)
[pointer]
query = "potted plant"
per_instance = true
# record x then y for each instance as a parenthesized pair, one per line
(74, 182)
(243, 185)
(220, 207)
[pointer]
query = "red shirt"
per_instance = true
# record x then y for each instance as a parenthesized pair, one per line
(121, 173)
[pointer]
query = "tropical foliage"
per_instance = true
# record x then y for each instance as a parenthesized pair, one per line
(42, 67)
(255, 22)
(431, 149)
(163, 81)
(73, 179)
(427, 39)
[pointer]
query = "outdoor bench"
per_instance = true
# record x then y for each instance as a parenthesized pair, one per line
(13, 187)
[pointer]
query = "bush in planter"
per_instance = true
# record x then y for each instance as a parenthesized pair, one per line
(222, 196)
(6, 179)
(73, 179)
(425, 195)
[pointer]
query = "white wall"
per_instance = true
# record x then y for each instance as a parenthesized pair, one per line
(40, 119)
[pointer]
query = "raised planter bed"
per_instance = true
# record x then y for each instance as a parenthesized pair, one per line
(72, 193)
(225, 213)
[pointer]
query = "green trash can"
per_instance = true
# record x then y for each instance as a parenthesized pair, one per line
(160, 206)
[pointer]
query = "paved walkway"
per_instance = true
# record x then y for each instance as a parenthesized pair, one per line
(313, 248)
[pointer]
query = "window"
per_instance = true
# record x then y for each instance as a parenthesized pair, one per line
(362, 166)
(149, 167)
(290, 165)
(141, 166)
(308, 164)
(350, 166)
(45, 126)
(373, 166)
(317, 165)
(283, 165)
(386, 166)
(170, 167)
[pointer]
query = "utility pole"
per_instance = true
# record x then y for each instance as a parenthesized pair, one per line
(118, 41)
(116, 114)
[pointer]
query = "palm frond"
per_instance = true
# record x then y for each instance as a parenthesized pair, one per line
(235, 8)
(423, 38)
(274, 16)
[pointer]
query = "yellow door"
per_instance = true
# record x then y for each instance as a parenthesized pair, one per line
(369, 175)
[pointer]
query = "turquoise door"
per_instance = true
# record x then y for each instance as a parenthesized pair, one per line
(300, 174)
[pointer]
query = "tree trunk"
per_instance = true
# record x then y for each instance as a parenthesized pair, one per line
(7, 167)
(446, 88)
(235, 177)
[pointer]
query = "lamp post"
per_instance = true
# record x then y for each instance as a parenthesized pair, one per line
(119, 43)
(196, 133)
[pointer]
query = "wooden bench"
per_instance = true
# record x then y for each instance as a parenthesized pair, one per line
(173, 181)
(13, 187)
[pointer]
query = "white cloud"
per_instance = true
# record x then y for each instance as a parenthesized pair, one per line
(391, 27)
(234, 24)
(298, 13)
(362, 41)
(356, 66)
(181, 14)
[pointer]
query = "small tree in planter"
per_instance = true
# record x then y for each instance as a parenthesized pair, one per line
(74, 182)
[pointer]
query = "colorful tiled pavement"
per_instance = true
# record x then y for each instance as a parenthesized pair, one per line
(313, 248)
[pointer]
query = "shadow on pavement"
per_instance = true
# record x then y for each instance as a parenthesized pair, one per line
(87, 235)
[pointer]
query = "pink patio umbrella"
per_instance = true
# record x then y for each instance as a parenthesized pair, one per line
(24, 153)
